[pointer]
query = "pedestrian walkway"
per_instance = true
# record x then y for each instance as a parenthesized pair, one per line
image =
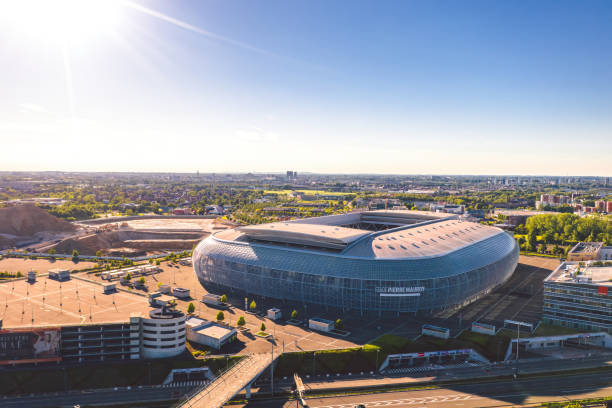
(224, 387)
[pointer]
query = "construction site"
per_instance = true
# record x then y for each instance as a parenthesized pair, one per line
(32, 228)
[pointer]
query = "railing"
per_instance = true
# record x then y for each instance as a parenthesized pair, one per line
(198, 394)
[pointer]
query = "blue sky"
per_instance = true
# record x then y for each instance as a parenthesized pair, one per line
(473, 87)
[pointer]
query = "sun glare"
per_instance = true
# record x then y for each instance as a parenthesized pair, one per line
(62, 21)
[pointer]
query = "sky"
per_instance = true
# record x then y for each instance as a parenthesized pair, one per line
(327, 86)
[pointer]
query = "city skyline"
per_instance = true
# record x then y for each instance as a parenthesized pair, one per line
(399, 88)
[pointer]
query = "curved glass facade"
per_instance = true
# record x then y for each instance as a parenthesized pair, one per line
(358, 283)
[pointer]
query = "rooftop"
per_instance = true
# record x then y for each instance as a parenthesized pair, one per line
(395, 234)
(326, 236)
(425, 240)
(586, 248)
(215, 331)
(594, 275)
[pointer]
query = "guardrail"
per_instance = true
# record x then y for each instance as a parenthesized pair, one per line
(193, 397)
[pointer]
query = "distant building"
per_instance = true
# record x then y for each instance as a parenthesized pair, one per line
(585, 251)
(181, 211)
(549, 200)
(579, 298)
(518, 217)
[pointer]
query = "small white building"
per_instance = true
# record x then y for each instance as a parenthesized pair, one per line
(165, 289)
(274, 314)
(320, 324)
(59, 274)
(181, 293)
(109, 288)
(209, 334)
(210, 299)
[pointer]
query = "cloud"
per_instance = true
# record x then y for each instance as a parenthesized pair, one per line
(255, 134)
(31, 107)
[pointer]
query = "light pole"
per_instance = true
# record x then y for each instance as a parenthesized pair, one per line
(376, 368)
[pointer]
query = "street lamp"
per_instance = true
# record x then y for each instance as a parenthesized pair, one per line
(376, 368)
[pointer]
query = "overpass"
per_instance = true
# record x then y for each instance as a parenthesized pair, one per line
(225, 387)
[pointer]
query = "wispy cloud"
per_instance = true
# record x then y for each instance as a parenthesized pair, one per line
(255, 134)
(198, 30)
(31, 107)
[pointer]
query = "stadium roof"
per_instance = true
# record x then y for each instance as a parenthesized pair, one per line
(408, 236)
(325, 236)
(432, 239)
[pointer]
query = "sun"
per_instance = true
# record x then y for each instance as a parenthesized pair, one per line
(61, 21)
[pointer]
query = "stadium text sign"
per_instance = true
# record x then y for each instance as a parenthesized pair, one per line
(400, 290)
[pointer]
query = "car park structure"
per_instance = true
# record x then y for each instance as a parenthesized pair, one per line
(397, 261)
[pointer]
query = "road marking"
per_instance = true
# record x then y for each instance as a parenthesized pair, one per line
(410, 401)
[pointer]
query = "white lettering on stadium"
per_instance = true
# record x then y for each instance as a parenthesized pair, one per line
(409, 289)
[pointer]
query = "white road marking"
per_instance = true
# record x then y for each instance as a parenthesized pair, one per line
(410, 401)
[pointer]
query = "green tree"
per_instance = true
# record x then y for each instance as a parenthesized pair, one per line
(220, 316)
(98, 253)
(262, 327)
(294, 314)
(223, 298)
(157, 262)
(128, 277)
(190, 308)
(241, 322)
(75, 253)
(339, 323)
(52, 251)
(253, 305)
(141, 280)
(532, 240)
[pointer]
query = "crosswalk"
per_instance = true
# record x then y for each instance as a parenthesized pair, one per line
(183, 384)
(410, 401)
(432, 367)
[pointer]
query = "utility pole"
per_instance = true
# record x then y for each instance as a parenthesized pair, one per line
(272, 369)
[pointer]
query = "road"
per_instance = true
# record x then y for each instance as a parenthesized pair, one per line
(485, 394)
(99, 397)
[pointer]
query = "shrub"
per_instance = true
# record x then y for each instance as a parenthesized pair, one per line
(220, 316)
(223, 298)
(241, 322)
(253, 305)
(339, 323)
(262, 327)
(191, 308)
(294, 314)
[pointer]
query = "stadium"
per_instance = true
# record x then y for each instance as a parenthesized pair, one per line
(398, 261)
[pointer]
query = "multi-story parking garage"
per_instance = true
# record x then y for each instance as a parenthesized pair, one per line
(401, 261)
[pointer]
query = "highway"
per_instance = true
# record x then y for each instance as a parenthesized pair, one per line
(99, 397)
(484, 394)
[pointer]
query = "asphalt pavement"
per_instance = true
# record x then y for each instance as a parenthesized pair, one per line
(521, 392)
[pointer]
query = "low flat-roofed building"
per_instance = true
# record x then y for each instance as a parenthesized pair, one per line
(579, 297)
(208, 333)
(320, 324)
(59, 274)
(585, 251)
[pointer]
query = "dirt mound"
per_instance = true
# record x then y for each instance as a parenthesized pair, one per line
(25, 220)
(6, 243)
